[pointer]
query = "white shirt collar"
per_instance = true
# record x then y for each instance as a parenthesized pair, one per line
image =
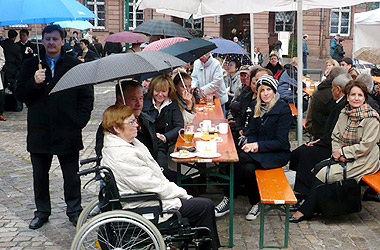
(167, 102)
(339, 99)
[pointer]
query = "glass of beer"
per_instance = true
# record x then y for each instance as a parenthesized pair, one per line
(188, 134)
(210, 100)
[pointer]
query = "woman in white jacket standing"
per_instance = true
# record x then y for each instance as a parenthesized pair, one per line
(207, 76)
(136, 171)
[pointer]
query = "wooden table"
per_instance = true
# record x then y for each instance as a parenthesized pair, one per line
(228, 153)
(308, 90)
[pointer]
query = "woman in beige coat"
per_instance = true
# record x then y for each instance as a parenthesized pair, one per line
(354, 142)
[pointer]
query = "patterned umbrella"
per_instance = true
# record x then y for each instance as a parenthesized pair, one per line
(162, 27)
(117, 66)
(371, 55)
(126, 37)
(163, 43)
(230, 50)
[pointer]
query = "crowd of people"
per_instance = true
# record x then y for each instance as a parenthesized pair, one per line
(139, 132)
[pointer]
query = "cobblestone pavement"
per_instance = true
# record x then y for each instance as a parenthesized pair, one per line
(357, 231)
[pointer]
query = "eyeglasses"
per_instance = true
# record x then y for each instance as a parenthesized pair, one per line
(132, 122)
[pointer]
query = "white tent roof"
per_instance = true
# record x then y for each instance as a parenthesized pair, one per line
(204, 8)
(369, 17)
(366, 26)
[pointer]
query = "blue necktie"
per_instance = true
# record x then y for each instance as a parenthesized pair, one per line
(52, 66)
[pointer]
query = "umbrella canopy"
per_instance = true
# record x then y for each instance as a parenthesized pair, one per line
(371, 55)
(42, 11)
(77, 24)
(163, 43)
(227, 47)
(126, 37)
(191, 50)
(162, 27)
(117, 66)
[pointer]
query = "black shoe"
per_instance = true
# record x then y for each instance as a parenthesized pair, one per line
(295, 207)
(37, 222)
(371, 197)
(74, 219)
(297, 219)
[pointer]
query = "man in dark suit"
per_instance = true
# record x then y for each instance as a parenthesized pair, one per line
(55, 123)
(132, 96)
(28, 49)
(13, 58)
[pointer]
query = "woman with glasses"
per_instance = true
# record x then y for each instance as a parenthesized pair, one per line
(136, 171)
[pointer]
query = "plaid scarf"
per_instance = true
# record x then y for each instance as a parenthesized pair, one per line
(355, 116)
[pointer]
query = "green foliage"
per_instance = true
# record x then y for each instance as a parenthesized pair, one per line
(292, 51)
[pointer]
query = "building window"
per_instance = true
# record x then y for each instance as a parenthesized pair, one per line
(99, 9)
(340, 21)
(284, 21)
(136, 17)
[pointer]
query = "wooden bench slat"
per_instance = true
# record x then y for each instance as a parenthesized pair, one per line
(274, 188)
(373, 181)
(293, 109)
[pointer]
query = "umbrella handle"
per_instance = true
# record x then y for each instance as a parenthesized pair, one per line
(39, 66)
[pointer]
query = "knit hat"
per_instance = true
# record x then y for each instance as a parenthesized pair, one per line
(244, 69)
(269, 81)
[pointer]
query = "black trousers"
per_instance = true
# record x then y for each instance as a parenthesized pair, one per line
(302, 160)
(69, 166)
(1, 101)
(245, 178)
(200, 213)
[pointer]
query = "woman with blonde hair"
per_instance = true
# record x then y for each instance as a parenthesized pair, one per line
(161, 105)
(330, 63)
(184, 96)
(267, 144)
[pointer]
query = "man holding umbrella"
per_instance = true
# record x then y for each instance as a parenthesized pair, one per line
(55, 123)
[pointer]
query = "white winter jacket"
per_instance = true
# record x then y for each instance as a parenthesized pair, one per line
(209, 77)
(136, 171)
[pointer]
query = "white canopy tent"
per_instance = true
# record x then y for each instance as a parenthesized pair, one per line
(205, 8)
(366, 26)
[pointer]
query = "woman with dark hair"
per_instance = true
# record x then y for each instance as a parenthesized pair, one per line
(136, 171)
(354, 143)
(348, 64)
(161, 105)
(339, 51)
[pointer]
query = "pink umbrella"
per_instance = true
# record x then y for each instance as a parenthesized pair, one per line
(163, 43)
(126, 37)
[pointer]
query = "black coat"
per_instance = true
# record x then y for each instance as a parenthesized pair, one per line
(338, 52)
(170, 118)
(271, 132)
(55, 121)
(90, 56)
(274, 69)
(241, 117)
(23, 47)
(322, 104)
(13, 59)
(111, 48)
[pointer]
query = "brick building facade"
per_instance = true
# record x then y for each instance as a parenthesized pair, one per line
(319, 24)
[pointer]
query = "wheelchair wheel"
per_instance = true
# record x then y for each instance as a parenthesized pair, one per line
(118, 230)
(90, 211)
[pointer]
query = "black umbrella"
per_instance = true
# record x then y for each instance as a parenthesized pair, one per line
(191, 50)
(117, 66)
(162, 27)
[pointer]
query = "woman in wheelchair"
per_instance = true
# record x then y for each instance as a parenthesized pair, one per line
(136, 171)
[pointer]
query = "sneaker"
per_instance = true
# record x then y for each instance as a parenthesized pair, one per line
(253, 213)
(223, 207)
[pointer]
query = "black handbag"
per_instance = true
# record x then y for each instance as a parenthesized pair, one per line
(340, 197)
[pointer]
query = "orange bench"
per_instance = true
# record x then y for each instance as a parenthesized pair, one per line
(276, 194)
(373, 181)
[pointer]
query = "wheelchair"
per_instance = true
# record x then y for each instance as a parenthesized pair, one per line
(103, 224)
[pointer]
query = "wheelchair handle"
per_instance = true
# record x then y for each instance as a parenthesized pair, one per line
(95, 169)
(91, 160)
